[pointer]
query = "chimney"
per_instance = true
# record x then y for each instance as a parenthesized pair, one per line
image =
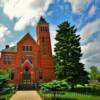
(7, 46)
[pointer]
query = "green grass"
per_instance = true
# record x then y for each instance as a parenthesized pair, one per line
(81, 96)
(69, 96)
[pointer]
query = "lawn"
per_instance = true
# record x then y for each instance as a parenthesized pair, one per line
(69, 96)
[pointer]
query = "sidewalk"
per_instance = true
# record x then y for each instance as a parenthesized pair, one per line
(26, 95)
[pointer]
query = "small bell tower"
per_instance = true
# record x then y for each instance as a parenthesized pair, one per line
(45, 52)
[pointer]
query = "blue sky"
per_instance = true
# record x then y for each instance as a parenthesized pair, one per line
(17, 17)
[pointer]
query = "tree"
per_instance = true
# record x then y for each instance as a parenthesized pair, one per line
(68, 54)
(94, 73)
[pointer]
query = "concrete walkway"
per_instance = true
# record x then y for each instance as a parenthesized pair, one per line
(26, 95)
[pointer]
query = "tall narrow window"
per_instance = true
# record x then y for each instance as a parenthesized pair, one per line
(30, 48)
(26, 48)
(40, 75)
(41, 29)
(23, 59)
(30, 59)
(43, 45)
(46, 29)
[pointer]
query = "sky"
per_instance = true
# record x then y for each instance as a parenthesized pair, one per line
(17, 17)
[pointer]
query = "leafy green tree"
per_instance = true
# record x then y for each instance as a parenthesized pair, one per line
(68, 54)
(94, 73)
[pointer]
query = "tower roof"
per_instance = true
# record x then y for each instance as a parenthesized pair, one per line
(42, 21)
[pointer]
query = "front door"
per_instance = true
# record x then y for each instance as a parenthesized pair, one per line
(26, 76)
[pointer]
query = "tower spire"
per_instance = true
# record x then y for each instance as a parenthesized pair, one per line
(42, 21)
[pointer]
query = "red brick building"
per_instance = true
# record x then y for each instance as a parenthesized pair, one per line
(30, 61)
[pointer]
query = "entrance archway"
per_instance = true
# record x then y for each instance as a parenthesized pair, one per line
(26, 76)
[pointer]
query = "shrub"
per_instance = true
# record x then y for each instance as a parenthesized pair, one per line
(55, 85)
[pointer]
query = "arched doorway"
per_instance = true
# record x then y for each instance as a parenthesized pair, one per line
(26, 76)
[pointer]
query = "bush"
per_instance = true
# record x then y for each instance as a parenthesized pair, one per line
(55, 85)
(5, 86)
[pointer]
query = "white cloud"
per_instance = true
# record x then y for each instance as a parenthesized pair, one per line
(89, 29)
(90, 49)
(92, 10)
(53, 29)
(91, 53)
(25, 11)
(13, 43)
(78, 5)
(3, 33)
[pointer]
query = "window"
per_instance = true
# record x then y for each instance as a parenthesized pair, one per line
(30, 48)
(12, 75)
(27, 58)
(27, 48)
(41, 29)
(23, 48)
(30, 59)
(43, 45)
(40, 75)
(7, 59)
(23, 59)
(46, 29)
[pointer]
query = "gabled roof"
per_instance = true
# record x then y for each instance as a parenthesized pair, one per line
(42, 21)
(10, 49)
(14, 48)
(28, 35)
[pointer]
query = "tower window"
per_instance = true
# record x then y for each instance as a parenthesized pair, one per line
(44, 29)
(43, 40)
(41, 29)
(43, 45)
